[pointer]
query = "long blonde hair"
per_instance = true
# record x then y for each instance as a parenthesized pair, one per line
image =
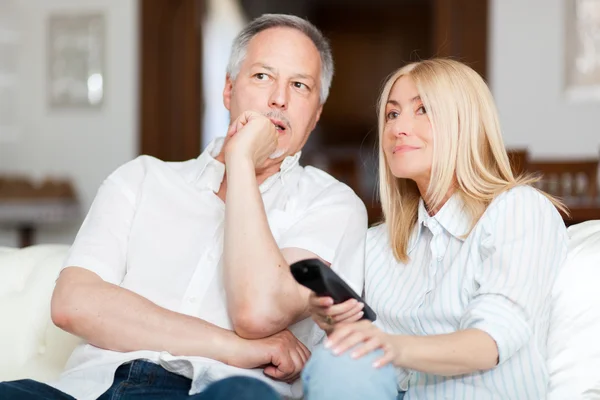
(468, 151)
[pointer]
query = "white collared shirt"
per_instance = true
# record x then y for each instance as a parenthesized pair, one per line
(156, 228)
(498, 279)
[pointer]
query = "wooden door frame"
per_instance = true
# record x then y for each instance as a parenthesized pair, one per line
(170, 66)
(461, 31)
(170, 78)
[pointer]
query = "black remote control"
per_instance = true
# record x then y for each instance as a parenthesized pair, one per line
(322, 280)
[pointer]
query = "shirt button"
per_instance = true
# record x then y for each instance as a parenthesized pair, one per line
(193, 299)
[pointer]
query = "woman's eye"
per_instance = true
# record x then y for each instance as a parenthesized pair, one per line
(391, 115)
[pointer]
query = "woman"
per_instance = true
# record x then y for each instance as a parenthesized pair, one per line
(460, 273)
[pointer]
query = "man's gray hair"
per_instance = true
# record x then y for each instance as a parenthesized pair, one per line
(266, 21)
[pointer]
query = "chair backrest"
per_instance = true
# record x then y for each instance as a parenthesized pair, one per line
(567, 178)
(518, 160)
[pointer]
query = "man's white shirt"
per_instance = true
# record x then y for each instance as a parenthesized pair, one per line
(156, 228)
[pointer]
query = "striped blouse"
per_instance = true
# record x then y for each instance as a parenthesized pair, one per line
(498, 279)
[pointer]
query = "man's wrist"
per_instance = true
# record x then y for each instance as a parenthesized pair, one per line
(228, 347)
(238, 159)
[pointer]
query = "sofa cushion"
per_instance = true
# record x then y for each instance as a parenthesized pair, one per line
(30, 344)
(574, 337)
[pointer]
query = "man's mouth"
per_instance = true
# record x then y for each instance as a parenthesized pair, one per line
(280, 126)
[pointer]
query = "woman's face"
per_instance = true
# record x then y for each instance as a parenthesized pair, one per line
(407, 135)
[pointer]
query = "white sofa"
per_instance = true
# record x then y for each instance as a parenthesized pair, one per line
(32, 347)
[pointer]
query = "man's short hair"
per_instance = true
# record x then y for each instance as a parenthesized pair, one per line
(266, 21)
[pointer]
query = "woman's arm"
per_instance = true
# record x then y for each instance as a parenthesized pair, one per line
(457, 353)
(451, 354)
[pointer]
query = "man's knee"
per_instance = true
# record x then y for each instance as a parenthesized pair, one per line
(327, 376)
(242, 388)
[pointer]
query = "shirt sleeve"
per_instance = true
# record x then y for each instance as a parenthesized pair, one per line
(334, 228)
(523, 245)
(101, 243)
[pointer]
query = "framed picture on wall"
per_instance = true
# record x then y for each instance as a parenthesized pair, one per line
(582, 50)
(75, 52)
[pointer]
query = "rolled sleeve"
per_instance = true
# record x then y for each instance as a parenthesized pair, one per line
(101, 243)
(522, 248)
(500, 318)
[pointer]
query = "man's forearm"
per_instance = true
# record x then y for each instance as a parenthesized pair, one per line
(451, 354)
(114, 318)
(260, 289)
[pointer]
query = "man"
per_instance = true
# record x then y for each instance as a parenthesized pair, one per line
(179, 280)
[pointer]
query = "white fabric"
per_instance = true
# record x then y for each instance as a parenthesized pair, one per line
(30, 345)
(156, 229)
(498, 279)
(574, 340)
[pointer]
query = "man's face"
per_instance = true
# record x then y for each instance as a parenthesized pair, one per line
(280, 77)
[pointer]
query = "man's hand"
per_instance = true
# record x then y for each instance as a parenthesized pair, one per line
(282, 355)
(251, 136)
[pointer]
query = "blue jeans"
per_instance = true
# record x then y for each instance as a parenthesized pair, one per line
(148, 381)
(330, 377)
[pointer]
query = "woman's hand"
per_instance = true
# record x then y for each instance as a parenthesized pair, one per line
(364, 337)
(327, 315)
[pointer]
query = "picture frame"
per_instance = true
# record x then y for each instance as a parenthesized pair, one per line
(76, 60)
(582, 50)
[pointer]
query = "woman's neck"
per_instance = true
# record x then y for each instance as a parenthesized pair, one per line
(423, 191)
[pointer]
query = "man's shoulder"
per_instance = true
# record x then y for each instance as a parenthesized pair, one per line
(144, 165)
(315, 183)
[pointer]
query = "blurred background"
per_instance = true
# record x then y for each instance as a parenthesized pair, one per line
(87, 85)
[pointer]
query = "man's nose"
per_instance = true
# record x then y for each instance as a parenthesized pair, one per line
(279, 97)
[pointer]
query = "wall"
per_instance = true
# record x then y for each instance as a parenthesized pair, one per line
(526, 76)
(85, 145)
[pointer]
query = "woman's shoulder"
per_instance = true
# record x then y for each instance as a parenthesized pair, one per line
(524, 198)
(377, 233)
(378, 251)
(378, 240)
(520, 206)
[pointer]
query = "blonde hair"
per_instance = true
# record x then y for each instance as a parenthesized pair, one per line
(468, 151)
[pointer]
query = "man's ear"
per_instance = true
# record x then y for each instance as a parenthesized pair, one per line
(319, 111)
(227, 92)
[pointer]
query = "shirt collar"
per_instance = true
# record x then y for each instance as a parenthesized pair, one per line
(453, 217)
(211, 172)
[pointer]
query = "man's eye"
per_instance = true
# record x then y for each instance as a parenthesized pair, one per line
(300, 85)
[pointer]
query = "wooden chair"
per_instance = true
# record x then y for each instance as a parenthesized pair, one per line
(518, 160)
(569, 179)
